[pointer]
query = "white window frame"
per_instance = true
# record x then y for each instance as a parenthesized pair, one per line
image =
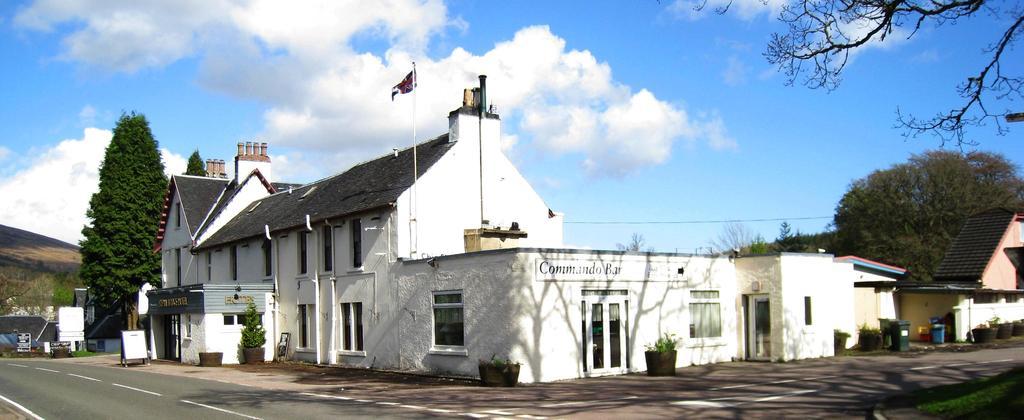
(691, 333)
(236, 322)
(356, 336)
(187, 335)
(447, 349)
(306, 325)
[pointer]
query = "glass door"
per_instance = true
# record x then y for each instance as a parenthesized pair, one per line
(172, 337)
(605, 335)
(759, 328)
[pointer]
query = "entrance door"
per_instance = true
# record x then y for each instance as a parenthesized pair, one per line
(172, 337)
(605, 332)
(759, 328)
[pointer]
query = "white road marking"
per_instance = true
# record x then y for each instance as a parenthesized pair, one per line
(48, 370)
(995, 361)
(15, 364)
(84, 377)
(499, 412)
(21, 407)
(440, 410)
(365, 401)
(475, 415)
(716, 402)
(336, 397)
(386, 403)
(221, 410)
(527, 416)
(587, 402)
(137, 389)
(412, 407)
(924, 367)
(785, 381)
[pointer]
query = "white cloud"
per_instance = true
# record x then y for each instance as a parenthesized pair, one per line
(328, 100)
(87, 116)
(51, 195)
(173, 162)
(735, 72)
(4, 153)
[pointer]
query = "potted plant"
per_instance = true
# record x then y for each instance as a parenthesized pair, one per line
(985, 333)
(1005, 329)
(869, 339)
(661, 356)
(499, 372)
(1018, 328)
(839, 341)
(253, 336)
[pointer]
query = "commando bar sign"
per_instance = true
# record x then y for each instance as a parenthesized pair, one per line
(578, 270)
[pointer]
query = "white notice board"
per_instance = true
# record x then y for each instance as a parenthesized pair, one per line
(133, 346)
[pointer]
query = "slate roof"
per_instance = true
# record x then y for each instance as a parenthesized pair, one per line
(967, 257)
(107, 327)
(198, 194)
(366, 186)
(23, 323)
(49, 332)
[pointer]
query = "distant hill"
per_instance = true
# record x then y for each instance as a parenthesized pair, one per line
(21, 248)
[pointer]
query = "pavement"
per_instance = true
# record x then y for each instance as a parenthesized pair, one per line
(843, 387)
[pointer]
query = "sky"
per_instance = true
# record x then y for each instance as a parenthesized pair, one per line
(644, 112)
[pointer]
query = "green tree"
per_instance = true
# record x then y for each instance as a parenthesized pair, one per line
(909, 214)
(787, 240)
(253, 333)
(117, 252)
(195, 165)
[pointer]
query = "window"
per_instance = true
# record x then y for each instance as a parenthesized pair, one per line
(449, 329)
(188, 325)
(352, 326)
(807, 310)
(234, 262)
(177, 265)
(234, 319)
(328, 236)
(357, 243)
(303, 236)
(268, 268)
(306, 314)
(209, 267)
(705, 314)
(177, 215)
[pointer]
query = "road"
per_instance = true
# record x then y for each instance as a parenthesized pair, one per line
(844, 387)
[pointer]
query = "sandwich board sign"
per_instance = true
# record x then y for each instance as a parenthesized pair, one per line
(71, 324)
(133, 347)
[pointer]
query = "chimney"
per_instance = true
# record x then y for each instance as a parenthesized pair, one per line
(252, 155)
(211, 168)
(483, 95)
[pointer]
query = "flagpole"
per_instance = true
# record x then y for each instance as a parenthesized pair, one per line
(414, 227)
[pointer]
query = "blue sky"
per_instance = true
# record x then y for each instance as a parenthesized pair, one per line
(615, 111)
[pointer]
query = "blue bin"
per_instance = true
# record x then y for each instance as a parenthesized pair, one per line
(938, 333)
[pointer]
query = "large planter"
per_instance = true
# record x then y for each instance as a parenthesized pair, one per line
(1018, 329)
(661, 363)
(839, 342)
(210, 359)
(253, 356)
(869, 342)
(1005, 331)
(984, 335)
(60, 353)
(506, 375)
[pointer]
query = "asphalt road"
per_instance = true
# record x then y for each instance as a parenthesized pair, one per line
(845, 387)
(52, 390)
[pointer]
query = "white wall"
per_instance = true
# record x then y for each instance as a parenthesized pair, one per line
(969, 315)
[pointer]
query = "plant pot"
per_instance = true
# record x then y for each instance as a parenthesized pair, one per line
(210, 359)
(1005, 331)
(61, 353)
(1018, 329)
(869, 342)
(253, 356)
(494, 376)
(984, 335)
(840, 344)
(661, 363)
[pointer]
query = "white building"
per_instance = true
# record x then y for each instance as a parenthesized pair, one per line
(376, 267)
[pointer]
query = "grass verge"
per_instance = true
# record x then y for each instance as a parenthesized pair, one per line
(1000, 396)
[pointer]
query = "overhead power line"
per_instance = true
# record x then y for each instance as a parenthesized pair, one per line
(691, 222)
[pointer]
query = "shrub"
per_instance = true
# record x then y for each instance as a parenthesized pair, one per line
(665, 344)
(841, 334)
(866, 330)
(253, 334)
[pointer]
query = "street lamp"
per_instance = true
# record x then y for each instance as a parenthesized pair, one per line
(1015, 117)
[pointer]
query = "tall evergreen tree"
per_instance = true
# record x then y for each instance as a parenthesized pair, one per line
(787, 241)
(117, 252)
(195, 165)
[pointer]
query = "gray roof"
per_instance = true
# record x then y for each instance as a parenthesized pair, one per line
(107, 327)
(34, 324)
(366, 186)
(974, 246)
(198, 194)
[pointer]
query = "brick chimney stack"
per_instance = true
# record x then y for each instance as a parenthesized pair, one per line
(215, 168)
(252, 155)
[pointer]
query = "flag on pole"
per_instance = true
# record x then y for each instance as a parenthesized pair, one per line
(406, 85)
